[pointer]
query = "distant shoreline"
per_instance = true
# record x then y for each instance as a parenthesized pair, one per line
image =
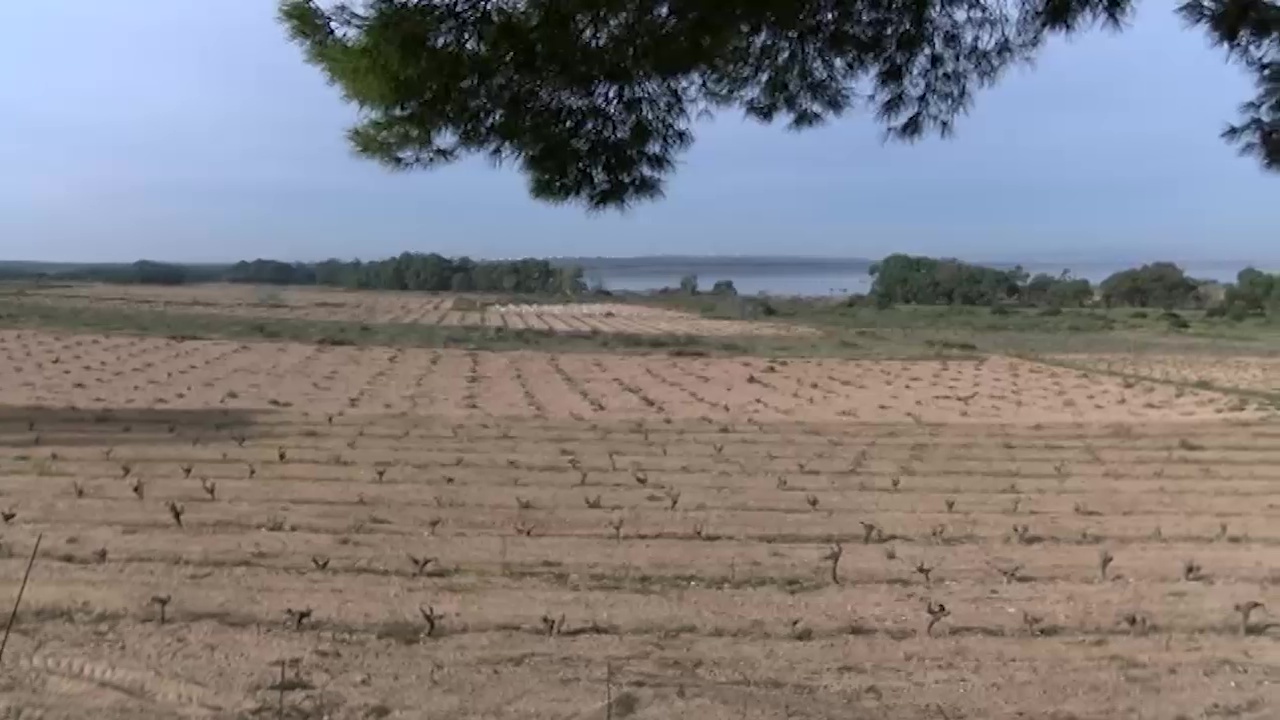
(731, 266)
(666, 263)
(784, 275)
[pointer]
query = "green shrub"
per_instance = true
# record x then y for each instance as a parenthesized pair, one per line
(334, 340)
(919, 280)
(724, 287)
(1160, 285)
(951, 345)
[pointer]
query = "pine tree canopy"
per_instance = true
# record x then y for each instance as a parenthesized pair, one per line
(594, 100)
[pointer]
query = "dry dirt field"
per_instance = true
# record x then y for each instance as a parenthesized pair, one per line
(402, 307)
(519, 535)
(1257, 374)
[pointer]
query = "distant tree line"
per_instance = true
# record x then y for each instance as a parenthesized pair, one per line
(1158, 285)
(898, 279)
(689, 286)
(417, 271)
(1254, 293)
(408, 271)
(919, 280)
(142, 272)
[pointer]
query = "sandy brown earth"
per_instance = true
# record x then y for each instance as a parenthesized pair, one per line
(91, 371)
(1258, 374)
(299, 303)
(649, 529)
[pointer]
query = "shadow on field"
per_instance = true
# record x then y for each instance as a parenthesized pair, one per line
(36, 426)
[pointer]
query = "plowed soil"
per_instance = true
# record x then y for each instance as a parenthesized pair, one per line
(1254, 374)
(524, 535)
(297, 303)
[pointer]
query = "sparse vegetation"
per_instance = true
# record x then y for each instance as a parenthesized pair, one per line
(553, 625)
(420, 564)
(1138, 623)
(1010, 574)
(431, 618)
(833, 556)
(1032, 623)
(1246, 610)
(871, 533)
(924, 571)
(176, 511)
(481, 459)
(298, 617)
(161, 602)
(937, 612)
(1105, 558)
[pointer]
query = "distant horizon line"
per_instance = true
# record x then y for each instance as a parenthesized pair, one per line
(700, 258)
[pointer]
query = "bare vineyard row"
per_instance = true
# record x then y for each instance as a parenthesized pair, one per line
(727, 538)
(159, 373)
(501, 509)
(417, 309)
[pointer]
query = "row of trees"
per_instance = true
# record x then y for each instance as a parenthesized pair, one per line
(1254, 293)
(898, 279)
(435, 272)
(918, 280)
(689, 286)
(409, 271)
(142, 272)
(1157, 285)
(418, 271)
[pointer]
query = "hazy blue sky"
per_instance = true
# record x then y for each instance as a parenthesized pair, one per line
(191, 130)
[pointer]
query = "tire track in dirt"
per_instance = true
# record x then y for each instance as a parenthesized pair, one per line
(141, 685)
(17, 711)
